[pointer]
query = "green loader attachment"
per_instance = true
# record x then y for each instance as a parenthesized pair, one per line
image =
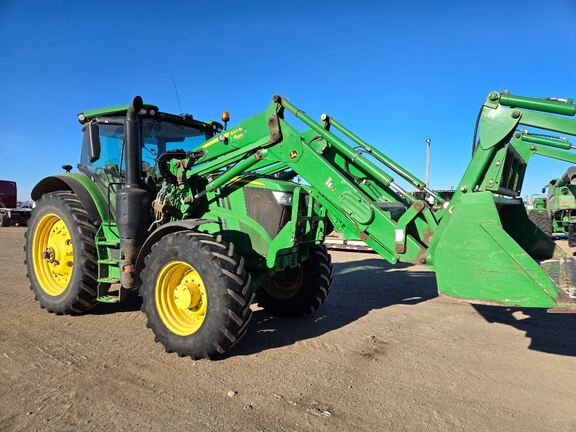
(481, 244)
(201, 221)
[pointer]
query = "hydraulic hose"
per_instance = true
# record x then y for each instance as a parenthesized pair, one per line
(474, 142)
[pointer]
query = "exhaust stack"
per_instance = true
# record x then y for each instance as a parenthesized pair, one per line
(132, 202)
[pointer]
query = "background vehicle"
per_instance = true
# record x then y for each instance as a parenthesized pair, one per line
(556, 213)
(11, 212)
(201, 220)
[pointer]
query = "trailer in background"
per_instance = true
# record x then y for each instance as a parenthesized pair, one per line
(12, 212)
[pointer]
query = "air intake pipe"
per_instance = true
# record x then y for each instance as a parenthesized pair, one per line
(132, 202)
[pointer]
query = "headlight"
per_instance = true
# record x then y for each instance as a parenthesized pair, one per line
(283, 198)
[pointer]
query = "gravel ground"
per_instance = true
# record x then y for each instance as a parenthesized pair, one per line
(383, 353)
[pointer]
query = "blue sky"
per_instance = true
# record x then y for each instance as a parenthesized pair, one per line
(393, 72)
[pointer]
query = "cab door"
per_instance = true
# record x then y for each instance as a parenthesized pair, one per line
(109, 170)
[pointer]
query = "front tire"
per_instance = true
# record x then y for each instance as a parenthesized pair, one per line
(61, 254)
(299, 291)
(196, 294)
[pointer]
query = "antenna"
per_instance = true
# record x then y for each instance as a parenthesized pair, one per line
(177, 97)
(428, 141)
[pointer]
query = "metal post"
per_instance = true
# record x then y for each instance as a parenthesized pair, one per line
(428, 162)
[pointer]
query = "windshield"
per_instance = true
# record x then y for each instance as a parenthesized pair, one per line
(161, 136)
(158, 136)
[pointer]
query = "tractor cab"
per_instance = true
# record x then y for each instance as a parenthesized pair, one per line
(103, 155)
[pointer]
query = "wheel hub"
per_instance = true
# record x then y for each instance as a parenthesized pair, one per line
(49, 255)
(181, 298)
(285, 284)
(186, 296)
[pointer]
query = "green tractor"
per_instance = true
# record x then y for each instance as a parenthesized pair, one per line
(538, 214)
(202, 221)
(556, 214)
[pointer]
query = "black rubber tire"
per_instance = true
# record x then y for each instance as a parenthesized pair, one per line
(227, 285)
(542, 221)
(80, 295)
(571, 235)
(314, 288)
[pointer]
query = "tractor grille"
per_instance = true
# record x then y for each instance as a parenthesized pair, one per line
(264, 209)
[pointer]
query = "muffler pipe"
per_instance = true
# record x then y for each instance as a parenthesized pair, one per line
(132, 202)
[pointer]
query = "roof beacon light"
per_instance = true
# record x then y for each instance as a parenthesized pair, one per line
(225, 118)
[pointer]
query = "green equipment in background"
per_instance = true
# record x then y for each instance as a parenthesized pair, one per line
(201, 221)
(441, 196)
(556, 213)
(538, 214)
(539, 203)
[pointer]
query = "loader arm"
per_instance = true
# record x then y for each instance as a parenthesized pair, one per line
(359, 196)
(482, 232)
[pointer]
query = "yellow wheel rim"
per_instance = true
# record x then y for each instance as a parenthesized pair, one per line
(285, 284)
(181, 298)
(53, 254)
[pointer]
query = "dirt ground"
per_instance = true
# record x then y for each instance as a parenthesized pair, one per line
(383, 353)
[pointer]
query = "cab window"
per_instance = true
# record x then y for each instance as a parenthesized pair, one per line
(161, 136)
(111, 141)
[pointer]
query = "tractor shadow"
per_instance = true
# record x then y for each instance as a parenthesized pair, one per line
(551, 333)
(359, 287)
(132, 303)
(372, 283)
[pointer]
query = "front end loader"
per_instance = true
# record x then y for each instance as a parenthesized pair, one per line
(202, 221)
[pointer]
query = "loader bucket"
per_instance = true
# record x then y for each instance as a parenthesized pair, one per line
(487, 251)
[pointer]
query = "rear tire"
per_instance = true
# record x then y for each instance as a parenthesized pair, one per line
(61, 254)
(301, 290)
(542, 221)
(196, 294)
(571, 235)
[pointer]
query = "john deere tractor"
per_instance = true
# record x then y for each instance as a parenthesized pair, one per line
(556, 213)
(538, 214)
(202, 221)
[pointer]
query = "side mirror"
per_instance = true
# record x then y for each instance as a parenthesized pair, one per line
(94, 145)
(544, 190)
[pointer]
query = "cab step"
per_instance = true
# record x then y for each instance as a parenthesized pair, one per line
(108, 299)
(111, 261)
(109, 243)
(110, 280)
